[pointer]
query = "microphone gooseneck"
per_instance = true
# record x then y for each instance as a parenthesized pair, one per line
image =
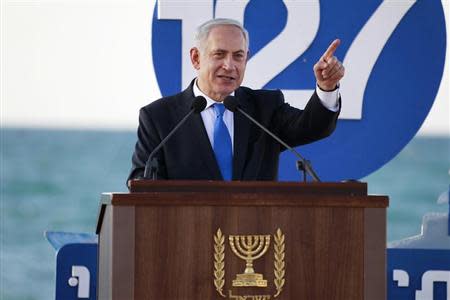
(151, 166)
(232, 104)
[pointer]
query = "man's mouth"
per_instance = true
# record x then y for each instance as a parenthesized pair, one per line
(225, 77)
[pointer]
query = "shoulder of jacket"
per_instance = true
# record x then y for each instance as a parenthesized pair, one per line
(162, 103)
(260, 92)
(267, 98)
(170, 102)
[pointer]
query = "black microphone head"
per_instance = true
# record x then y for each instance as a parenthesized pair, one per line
(231, 103)
(198, 104)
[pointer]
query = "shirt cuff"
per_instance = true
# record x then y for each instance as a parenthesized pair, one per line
(329, 99)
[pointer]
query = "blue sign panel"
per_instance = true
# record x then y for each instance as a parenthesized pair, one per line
(76, 272)
(418, 274)
(393, 51)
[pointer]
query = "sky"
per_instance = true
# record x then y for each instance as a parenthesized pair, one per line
(88, 64)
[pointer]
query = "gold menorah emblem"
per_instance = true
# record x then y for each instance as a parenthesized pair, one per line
(249, 248)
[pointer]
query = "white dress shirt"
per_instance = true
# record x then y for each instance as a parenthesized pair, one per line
(328, 99)
(209, 116)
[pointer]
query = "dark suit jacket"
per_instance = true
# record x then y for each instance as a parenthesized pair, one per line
(189, 154)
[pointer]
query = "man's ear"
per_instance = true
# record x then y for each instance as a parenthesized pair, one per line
(195, 57)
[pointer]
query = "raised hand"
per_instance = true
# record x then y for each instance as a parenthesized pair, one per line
(329, 70)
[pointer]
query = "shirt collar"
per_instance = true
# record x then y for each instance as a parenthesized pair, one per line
(198, 92)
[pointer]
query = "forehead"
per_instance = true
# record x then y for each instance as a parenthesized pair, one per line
(227, 37)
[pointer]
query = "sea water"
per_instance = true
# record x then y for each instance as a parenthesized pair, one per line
(52, 180)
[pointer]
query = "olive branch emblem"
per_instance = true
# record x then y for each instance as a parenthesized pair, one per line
(279, 262)
(279, 270)
(219, 262)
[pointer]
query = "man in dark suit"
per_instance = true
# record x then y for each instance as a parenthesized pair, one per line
(219, 144)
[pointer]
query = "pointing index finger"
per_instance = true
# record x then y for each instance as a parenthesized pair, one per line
(330, 51)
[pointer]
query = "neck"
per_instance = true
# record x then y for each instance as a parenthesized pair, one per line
(212, 96)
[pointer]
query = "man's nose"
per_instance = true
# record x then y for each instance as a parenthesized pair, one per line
(227, 63)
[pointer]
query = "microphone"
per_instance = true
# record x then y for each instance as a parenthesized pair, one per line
(231, 103)
(151, 166)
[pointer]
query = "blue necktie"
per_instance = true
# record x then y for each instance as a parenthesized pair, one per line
(222, 144)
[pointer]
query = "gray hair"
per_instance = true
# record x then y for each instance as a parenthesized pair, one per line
(203, 30)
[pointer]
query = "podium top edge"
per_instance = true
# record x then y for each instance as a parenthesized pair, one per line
(355, 188)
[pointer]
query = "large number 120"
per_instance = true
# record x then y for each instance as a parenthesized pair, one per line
(303, 19)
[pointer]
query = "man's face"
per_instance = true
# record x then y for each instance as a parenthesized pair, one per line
(221, 61)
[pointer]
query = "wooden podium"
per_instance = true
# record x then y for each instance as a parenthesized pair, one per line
(226, 240)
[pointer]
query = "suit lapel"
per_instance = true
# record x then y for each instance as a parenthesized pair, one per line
(241, 134)
(200, 141)
(204, 149)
